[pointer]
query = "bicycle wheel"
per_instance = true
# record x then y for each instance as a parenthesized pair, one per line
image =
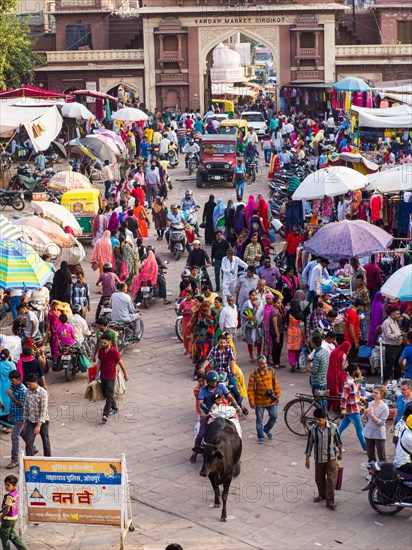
(298, 415)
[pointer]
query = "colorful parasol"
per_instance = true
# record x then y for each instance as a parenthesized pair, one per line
(67, 179)
(21, 267)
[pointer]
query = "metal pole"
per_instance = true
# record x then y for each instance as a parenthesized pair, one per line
(381, 358)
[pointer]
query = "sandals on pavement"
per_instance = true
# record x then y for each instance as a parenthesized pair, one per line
(12, 464)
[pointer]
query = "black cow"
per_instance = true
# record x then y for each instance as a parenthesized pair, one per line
(221, 458)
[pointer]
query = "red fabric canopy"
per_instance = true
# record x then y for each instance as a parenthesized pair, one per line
(29, 91)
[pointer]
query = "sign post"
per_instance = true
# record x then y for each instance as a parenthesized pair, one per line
(85, 491)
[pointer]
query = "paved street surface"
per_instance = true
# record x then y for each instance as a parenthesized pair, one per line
(270, 504)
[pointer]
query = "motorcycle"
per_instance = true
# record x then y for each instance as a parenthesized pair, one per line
(15, 199)
(177, 240)
(172, 157)
(178, 321)
(149, 293)
(251, 169)
(192, 162)
(389, 489)
(125, 333)
(69, 361)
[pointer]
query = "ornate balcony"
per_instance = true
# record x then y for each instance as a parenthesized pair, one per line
(380, 54)
(94, 56)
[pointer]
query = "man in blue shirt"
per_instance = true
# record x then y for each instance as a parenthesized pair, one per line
(403, 399)
(206, 397)
(239, 179)
(405, 360)
(17, 394)
(145, 148)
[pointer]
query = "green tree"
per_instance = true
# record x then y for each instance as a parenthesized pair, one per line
(17, 60)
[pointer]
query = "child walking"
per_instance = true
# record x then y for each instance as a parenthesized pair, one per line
(9, 515)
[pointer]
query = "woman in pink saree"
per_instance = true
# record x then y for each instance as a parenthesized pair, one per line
(53, 324)
(250, 207)
(102, 252)
(148, 272)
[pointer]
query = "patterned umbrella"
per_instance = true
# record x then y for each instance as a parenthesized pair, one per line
(21, 267)
(51, 229)
(69, 180)
(399, 285)
(348, 239)
(8, 230)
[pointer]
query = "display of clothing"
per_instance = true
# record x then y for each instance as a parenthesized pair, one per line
(294, 215)
(376, 205)
(403, 213)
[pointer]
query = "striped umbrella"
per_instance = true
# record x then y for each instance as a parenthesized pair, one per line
(21, 267)
(8, 230)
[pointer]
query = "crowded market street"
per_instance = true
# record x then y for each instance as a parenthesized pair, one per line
(270, 503)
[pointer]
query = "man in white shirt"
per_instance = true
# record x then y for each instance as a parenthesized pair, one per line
(251, 137)
(229, 268)
(315, 281)
(392, 338)
(31, 329)
(403, 453)
(164, 145)
(81, 328)
(228, 319)
(123, 310)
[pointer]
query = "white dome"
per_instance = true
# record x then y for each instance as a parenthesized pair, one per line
(224, 57)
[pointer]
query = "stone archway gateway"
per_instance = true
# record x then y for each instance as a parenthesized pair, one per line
(179, 34)
(209, 39)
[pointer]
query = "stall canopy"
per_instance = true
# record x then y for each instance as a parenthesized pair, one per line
(355, 161)
(29, 91)
(392, 117)
(43, 124)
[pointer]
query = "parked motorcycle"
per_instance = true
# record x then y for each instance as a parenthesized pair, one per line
(15, 199)
(389, 489)
(177, 240)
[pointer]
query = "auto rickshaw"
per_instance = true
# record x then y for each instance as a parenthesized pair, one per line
(237, 127)
(84, 205)
(225, 106)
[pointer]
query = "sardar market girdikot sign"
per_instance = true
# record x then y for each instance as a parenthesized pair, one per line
(239, 20)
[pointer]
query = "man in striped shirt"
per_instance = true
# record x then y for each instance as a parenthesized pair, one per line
(324, 440)
(350, 404)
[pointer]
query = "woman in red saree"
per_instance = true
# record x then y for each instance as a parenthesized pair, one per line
(336, 376)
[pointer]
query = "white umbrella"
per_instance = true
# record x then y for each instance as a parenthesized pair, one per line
(76, 110)
(67, 179)
(51, 229)
(39, 241)
(58, 214)
(128, 114)
(392, 180)
(399, 285)
(331, 181)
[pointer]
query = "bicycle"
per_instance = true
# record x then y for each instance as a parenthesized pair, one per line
(298, 413)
